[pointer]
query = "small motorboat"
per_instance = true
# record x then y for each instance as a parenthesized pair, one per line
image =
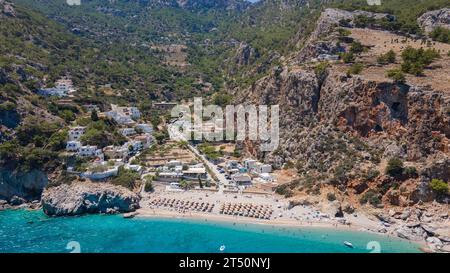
(222, 248)
(348, 244)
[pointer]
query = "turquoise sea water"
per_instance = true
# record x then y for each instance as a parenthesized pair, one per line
(33, 231)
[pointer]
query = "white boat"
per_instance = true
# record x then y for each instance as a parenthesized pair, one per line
(348, 244)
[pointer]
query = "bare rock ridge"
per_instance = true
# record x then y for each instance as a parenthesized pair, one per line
(436, 18)
(86, 197)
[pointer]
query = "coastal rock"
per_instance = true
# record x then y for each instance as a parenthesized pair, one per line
(407, 234)
(28, 185)
(86, 197)
(428, 229)
(445, 249)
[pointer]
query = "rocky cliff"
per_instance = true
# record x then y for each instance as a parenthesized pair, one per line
(20, 187)
(87, 197)
(336, 128)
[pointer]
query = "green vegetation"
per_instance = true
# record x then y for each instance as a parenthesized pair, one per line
(357, 48)
(7, 106)
(371, 196)
(209, 151)
(396, 75)
(148, 186)
(371, 175)
(321, 69)
(394, 167)
(387, 58)
(415, 60)
(440, 34)
(348, 57)
(102, 133)
(356, 68)
(439, 186)
(126, 178)
(406, 13)
(222, 99)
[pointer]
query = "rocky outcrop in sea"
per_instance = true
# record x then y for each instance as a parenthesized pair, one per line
(87, 197)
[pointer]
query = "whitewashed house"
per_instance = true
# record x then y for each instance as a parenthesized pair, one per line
(88, 151)
(127, 131)
(91, 107)
(241, 179)
(116, 152)
(134, 145)
(63, 87)
(250, 164)
(195, 174)
(145, 128)
(73, 146)
(75, 133)
(262, 168)
(124, 115)
(100, 175)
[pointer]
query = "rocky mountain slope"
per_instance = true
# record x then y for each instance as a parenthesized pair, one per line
(340, 129)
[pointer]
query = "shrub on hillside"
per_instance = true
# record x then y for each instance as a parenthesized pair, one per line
(439, 186)
(394, 167)
(415, 60)
(355, 69)
(440, 34)
(387, 58)
(396, 75)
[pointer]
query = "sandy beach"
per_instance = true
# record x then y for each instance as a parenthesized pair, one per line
(298, 216)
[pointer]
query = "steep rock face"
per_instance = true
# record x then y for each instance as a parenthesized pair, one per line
(245, 55)
(28, 186)
(339, 125)
(432, 19)
(86, 197)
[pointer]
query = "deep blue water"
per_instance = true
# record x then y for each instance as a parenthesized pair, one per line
(33, 231)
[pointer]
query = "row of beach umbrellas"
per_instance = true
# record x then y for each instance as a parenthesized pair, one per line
(182, 205)
(247, 210)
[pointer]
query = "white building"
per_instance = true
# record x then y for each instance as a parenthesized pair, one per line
(121, 119)
(250, 164)
(266, 177)
(134, 145)
(86, 151)
(124, 115)
(195, 174)
(174, 163)
(76, 132)
(91, 107)
(116, 152)
(127, 131)
(169, 176)
(63, 87)
(73, 146)
(262, 168)
(136, 168)
(100, 175)
(145, 128)
(241, 179)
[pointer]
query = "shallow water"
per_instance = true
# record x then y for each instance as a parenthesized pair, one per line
(33, 231)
